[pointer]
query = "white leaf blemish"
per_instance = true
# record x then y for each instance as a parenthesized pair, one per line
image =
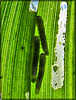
(58, 67)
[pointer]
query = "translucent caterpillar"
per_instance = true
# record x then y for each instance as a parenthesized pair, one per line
(58, 67)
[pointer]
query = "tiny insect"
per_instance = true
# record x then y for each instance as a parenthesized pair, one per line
(42, 34)
(35, 58)
(41, 73)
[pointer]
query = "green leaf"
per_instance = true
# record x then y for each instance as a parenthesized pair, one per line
(50, 14)
(18, 29)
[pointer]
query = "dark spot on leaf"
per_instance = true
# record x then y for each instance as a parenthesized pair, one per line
(22, 47)
(1, 77)
(55, 58)
(73, 72)
(55, 68)
(55, 84)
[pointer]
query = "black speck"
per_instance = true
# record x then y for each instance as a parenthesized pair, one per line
(1, 77)
(22, 47)
(55, 84)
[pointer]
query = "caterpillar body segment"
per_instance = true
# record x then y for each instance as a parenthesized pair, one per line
(35, 57)
(41, 73)
(42, 34)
